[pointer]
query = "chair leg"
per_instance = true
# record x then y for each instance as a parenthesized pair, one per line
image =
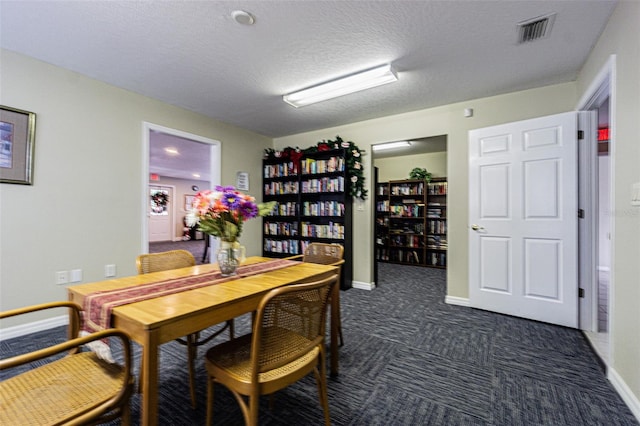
(210, 385)
(321, 379)
(192, 353)
(254, 406)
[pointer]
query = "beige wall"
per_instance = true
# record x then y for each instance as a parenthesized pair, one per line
(620, 38)
(448, 120)
(85, 209)
(396, 168)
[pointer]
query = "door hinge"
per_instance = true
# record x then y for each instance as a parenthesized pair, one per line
(581, 213)
(580, 292)
(580, 134)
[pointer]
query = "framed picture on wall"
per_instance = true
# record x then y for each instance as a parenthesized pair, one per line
(242, 181)
(17, 137)
(188, 200)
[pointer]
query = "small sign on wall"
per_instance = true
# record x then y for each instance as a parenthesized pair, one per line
(242, 181)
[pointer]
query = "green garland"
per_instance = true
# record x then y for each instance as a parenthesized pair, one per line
(353, 157)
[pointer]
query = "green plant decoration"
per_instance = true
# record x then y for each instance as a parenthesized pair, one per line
(353, 158)
(420, 173)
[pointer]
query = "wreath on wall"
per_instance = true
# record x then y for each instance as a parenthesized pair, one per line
(160, 198)
(353, 155)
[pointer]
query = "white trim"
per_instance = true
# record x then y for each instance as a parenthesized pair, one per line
(216, 165)
(625, 392)
(605, 83)
(363, 286)
(459, 301)
(33, 327)
(603, 268)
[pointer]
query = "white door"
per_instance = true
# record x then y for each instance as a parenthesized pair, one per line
(523, 257)
(160, 218)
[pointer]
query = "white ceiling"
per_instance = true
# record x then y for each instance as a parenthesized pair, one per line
(194, 55)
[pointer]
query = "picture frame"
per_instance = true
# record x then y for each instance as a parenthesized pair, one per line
(188, 200)
(17, 139)
(242, 181)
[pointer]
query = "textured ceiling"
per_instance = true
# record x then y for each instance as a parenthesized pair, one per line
(194, 55)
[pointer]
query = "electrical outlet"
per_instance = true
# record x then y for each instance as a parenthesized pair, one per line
(62, 277)
(109, 271)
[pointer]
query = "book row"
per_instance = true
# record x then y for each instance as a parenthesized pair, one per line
(437, 188)
(281, 246)
(289, 208)
(332, 230)
(322, 208)
(407, 189)
(281, 188)
(330, 165)
(288, 229)
(403, 210)
(326, 184)
(279, 170)
(437, 226)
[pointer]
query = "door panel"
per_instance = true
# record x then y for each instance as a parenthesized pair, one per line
(523, 219)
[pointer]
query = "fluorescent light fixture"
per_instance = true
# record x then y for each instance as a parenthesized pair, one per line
(171, 151)
(342, 86)
(391, 145)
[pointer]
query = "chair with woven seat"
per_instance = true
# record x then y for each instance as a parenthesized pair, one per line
(286, 344)
(79, 388)
(174, 259)
(327, 254)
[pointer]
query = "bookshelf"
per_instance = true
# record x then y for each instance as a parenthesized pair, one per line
(411, 224)
(313, 205)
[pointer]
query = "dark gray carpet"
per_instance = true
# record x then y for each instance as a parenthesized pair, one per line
(411, 359)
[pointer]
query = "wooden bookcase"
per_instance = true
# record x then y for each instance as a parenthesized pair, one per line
(313, 205)
(411, 224)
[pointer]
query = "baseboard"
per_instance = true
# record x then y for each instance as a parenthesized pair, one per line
(625, 393)
(362, 285)
(33, 327)
(460, 301)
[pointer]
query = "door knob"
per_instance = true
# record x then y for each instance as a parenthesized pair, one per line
(476, 227)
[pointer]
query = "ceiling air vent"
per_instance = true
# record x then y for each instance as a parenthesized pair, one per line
(535, 29)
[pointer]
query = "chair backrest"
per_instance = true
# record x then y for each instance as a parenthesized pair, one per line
(323, 253)
(172, 259)
(290, 322)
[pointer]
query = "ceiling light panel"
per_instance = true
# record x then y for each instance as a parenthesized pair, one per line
(391, 145)
(343, 86)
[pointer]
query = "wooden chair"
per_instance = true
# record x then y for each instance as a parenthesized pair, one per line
(79, 388)
(286, 344)
(174, 259)
(327, 254)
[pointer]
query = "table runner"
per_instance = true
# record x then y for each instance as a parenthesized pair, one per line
(98, 305)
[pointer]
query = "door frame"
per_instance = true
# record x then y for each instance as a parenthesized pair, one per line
(215, 172)
(602, 86)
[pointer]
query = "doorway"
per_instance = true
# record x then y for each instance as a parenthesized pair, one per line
(183, 162)
(597, 168)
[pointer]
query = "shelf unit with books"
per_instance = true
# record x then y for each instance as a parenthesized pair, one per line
(411, 225)
(281, 183)
(314, 203)
(382, 221)
(436, 223)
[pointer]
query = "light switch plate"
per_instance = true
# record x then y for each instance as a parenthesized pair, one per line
(635, 194)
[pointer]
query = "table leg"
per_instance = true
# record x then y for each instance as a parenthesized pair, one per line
(335, 325)
(149, 397)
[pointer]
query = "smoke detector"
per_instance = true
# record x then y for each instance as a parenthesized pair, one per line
(536, 28)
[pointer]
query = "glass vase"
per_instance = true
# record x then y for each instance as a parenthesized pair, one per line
(230, 255)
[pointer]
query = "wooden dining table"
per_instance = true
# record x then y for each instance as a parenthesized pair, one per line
(159, 320)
